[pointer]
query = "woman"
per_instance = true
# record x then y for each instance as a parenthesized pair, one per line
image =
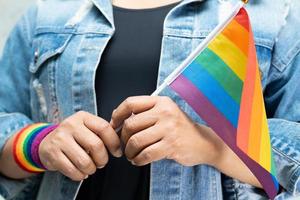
(49, 73)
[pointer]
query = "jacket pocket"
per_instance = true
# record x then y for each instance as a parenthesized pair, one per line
(47, 45)
(48, 48)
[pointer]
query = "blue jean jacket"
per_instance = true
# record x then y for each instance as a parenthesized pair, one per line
(47, 73)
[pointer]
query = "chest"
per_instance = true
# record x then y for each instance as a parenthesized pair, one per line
(66, 57)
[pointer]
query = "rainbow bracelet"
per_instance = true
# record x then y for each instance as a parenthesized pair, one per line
(26, 146)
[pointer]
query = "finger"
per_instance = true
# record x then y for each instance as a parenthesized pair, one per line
(155, 152)
(132, 105)
(142, 140)
(106, 133)
(93, 145)
(137, 123)
(66, 167)
(79, 157)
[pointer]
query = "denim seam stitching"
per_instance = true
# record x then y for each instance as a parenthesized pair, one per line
(294, 178)
(282, 64)
(285, 155)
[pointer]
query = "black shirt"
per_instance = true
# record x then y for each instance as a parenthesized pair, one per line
(128, 67)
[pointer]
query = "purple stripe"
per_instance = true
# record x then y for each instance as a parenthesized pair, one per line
(221, 126)
(202, 106)
(263, 176)
(36, 144)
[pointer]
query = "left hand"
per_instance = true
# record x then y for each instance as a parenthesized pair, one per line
(155, 128)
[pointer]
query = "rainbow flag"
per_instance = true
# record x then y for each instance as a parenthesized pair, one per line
(222, 84)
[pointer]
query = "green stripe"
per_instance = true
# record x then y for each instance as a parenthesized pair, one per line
(216, 67)
(273, 169)
(32, 132)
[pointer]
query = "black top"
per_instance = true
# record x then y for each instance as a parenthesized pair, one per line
(128, 67)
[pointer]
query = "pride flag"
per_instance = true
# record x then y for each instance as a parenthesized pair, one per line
(222, 84)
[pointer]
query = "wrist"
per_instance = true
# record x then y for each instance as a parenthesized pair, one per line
(26, 144)
(215, 149)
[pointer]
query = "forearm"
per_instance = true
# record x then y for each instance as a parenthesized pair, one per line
(231, 165)
(226, 161)
(8, 166)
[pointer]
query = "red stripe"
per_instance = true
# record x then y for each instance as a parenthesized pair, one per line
(243, 19)
(15, 143)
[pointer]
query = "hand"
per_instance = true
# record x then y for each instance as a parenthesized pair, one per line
(78, 146)
(155, 128)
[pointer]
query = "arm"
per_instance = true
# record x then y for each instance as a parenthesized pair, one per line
(75, 148)
(14, 105)
(14, 89)
(159, 129)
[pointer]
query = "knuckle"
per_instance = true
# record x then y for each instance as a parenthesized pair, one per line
(166, 111)
(70, 171)
(171, 125)
(67, 124)
(82, 163)
(92, 170)
(95, 145)
(104, 160)
(48, 157)
(128, 124)
(104, 127)
(134, 142)
(58, 137)
(128, 102)
(146, 156)
(81, 113)
(113, 115)
(49, 153)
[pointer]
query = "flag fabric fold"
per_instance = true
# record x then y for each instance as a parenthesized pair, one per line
(222, 84)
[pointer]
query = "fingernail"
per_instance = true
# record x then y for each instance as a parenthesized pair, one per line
(132, 162)
(119, 153)
(86, 176)
(100, 167)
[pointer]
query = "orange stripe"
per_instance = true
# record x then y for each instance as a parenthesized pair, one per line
(256, 121)
(243, 19)
(247, 95)
(238, 35)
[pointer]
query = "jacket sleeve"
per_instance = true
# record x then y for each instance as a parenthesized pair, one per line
(14, 90)
(282, 98)
(15, 78)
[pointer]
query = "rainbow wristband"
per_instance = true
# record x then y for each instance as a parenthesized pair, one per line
(26, 146)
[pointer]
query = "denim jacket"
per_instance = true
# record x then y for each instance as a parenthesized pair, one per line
(47, 73)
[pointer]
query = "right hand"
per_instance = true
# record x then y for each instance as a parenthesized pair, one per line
(77, 147)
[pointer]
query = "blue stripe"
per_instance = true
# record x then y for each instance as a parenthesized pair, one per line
(213, 91)
(275, 182)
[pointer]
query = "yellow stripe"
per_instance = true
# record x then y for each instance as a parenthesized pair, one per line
(265, 153)
(230, 54)
(237, 34)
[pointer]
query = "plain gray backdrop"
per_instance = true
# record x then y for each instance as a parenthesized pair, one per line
(10, 12)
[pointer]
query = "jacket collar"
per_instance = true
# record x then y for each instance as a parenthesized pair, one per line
(105, 7)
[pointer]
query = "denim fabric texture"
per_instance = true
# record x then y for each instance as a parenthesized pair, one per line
(47, 73)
